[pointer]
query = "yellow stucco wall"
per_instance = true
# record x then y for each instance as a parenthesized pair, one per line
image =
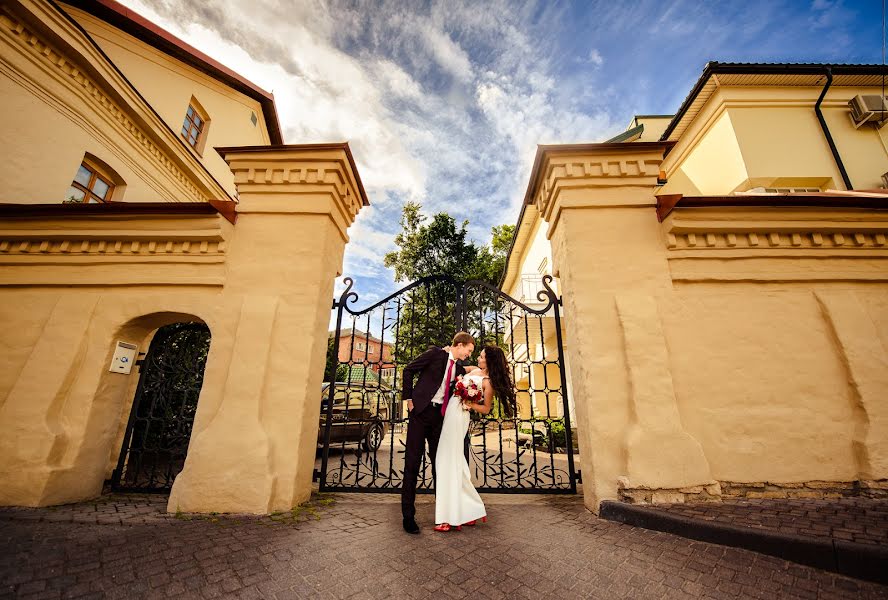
(72, 286)
(723, 349)
(653, 127)
(528, 257)
(168, 85)
(50, 145)
(766, 403)
(74, 281)
(748, 137)
(64, 100)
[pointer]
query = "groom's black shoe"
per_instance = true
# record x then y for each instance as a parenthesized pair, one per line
(410, 525)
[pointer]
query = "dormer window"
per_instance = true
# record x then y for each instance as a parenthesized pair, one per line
(194, 127)
(89, 186)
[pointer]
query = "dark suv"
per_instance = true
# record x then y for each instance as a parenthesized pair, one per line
(361, 414)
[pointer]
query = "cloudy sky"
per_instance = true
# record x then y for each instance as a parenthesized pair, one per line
(445, 102)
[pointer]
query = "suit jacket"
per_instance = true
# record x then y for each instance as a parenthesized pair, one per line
(431, 366)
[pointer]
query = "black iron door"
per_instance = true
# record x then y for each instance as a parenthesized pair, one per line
(162, 415)
(363, 425)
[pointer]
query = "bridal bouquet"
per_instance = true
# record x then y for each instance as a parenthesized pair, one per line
(467, 392)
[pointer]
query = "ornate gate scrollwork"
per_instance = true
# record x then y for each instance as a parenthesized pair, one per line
(363, 425)
(159, 426)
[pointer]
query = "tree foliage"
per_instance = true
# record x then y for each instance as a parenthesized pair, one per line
(440, 247)
(437, 247)
(333, 365)
(491, 260)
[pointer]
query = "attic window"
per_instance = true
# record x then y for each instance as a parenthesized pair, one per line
(89, 186)
(194, 127)
(253, 118)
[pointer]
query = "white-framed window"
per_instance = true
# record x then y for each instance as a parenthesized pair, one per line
(387, 375)
(360, 346)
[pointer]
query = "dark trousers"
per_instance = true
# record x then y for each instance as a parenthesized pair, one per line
(422, 427)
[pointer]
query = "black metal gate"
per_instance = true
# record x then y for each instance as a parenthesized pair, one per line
(363, 425)
(160, 421)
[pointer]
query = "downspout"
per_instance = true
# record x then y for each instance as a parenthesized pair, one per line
(829, 140)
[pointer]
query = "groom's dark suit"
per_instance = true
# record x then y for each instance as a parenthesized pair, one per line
(425, 419)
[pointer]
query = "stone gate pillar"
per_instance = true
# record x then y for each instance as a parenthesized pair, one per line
(253, 450)
(607, 250)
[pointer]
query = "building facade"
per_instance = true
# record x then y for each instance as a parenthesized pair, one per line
(723, 274)
(152, 216)
(360, 347)
(725, 283)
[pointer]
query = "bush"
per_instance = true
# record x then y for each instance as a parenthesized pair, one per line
(557, 434)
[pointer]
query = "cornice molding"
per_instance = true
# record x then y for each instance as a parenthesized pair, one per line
(123, 244)
(95, 81)
(769, 244)
(67, 242)
(291, 180)
(562, 175)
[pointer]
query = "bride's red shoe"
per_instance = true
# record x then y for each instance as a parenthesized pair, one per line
(445, 527)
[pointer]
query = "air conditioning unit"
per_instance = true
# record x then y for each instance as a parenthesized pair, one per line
(869, 108)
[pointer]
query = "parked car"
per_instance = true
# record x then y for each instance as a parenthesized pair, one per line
(361, 414)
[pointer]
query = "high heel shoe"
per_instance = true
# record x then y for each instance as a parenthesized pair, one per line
(445, 527)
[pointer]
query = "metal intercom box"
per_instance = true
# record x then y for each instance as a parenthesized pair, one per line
(124, 357)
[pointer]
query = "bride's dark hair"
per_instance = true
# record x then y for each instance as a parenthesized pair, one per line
(501, 379)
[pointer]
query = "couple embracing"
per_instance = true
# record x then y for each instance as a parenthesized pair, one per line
(440, 405)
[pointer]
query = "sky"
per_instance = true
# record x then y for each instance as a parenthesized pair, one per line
(444, 103)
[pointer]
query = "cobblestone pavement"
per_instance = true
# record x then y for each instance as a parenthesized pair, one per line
(861, 520)
(351, 546)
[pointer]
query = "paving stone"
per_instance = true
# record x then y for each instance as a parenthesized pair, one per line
(533, 547)
(861, 520)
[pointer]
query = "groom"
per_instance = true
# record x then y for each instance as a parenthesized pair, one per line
(437, 368)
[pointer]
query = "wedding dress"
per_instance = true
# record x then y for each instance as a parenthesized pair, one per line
(456, 499)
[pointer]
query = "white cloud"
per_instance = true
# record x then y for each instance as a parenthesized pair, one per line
(444, 106)
(447, 53)
(595, 57)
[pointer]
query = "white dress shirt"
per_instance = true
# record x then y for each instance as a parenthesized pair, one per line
(438, 398)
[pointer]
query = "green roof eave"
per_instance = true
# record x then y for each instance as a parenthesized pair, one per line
(627, 136)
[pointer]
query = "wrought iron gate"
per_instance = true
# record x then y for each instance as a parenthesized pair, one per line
(160, 421)
(363, 424)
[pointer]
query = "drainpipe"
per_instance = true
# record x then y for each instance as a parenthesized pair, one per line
(829, 140)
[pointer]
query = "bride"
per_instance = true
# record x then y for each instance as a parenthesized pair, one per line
(457, 503)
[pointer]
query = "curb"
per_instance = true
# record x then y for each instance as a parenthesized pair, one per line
(862, 561)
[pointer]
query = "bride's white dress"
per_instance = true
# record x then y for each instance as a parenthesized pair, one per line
(456, 500)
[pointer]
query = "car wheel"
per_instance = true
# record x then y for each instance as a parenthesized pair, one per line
(373, 439)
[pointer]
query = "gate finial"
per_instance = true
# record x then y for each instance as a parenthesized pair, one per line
(347, 295)
(548, 293)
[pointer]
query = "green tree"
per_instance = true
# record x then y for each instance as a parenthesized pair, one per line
(491, 260)
(438, 247)
(333, 365)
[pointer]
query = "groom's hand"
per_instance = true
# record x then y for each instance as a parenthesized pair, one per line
(410, 406)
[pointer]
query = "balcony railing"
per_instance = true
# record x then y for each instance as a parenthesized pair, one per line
(531, 285)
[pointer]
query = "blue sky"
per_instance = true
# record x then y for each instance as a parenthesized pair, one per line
(444, 102)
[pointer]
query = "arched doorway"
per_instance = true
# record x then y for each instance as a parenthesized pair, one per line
(162, 415)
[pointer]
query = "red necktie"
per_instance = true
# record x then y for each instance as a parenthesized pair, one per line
(447, 386)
